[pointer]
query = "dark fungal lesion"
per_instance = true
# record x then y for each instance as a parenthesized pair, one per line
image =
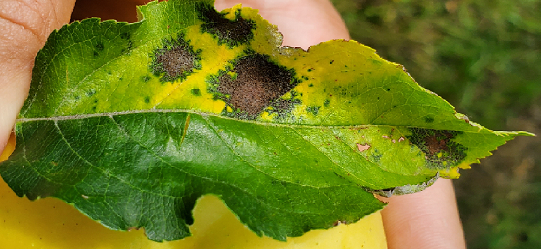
(314, 110)
(376, 156)
(252, 83)
(327, 103)
(231, 32)
(125, 35)
(283, 106)
(145, 78)
(175, 60)
(196, 92)
(437, 145)
(429, 119)
(98, 48)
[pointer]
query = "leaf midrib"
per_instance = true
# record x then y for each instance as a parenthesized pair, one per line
(206, 114)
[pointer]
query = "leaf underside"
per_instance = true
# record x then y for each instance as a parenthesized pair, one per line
(132, 123)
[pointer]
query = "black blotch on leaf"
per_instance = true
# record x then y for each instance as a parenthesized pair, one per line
(440, 151)
(147, 99)
(282, 107)
(376, 156)
(429, 120)
(256, 83)
(175, 60)
(313, 109)
(230, 32)
(196, 92)
(125, 36)
(327, 103)
(145, 78)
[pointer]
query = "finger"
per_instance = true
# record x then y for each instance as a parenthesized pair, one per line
(302, 22)
(428, 219)
(24, 27)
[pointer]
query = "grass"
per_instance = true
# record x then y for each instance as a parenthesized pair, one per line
(484, 57)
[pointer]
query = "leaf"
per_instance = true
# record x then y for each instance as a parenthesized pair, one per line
(133, 123)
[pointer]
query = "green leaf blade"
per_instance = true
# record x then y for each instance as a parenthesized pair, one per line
(148, 175)
(132, 123)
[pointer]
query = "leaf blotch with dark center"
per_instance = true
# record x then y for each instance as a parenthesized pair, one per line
(230, 32)
(252, 84)
(440, 151)
(283, 107)
(313, 109)
(327, 103)
(196, 92)
(175, 60)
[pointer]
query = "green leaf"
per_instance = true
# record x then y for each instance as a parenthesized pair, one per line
(132, 123)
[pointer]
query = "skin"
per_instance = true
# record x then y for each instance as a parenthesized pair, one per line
(428, 219)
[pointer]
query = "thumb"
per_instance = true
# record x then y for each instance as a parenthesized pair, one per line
(24, 28)
(302, 22)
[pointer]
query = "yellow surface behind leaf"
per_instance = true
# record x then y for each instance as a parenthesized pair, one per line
(10, 147)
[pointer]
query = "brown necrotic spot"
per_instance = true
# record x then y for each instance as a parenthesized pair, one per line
(440, 151)
(282, 107)
(253, 84)
(230, 32)
(175, 60)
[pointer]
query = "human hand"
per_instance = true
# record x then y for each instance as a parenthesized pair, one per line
(428, 219)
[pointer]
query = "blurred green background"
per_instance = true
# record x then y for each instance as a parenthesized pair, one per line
(484, 57)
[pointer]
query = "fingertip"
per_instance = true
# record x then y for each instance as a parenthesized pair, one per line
(428, 219)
